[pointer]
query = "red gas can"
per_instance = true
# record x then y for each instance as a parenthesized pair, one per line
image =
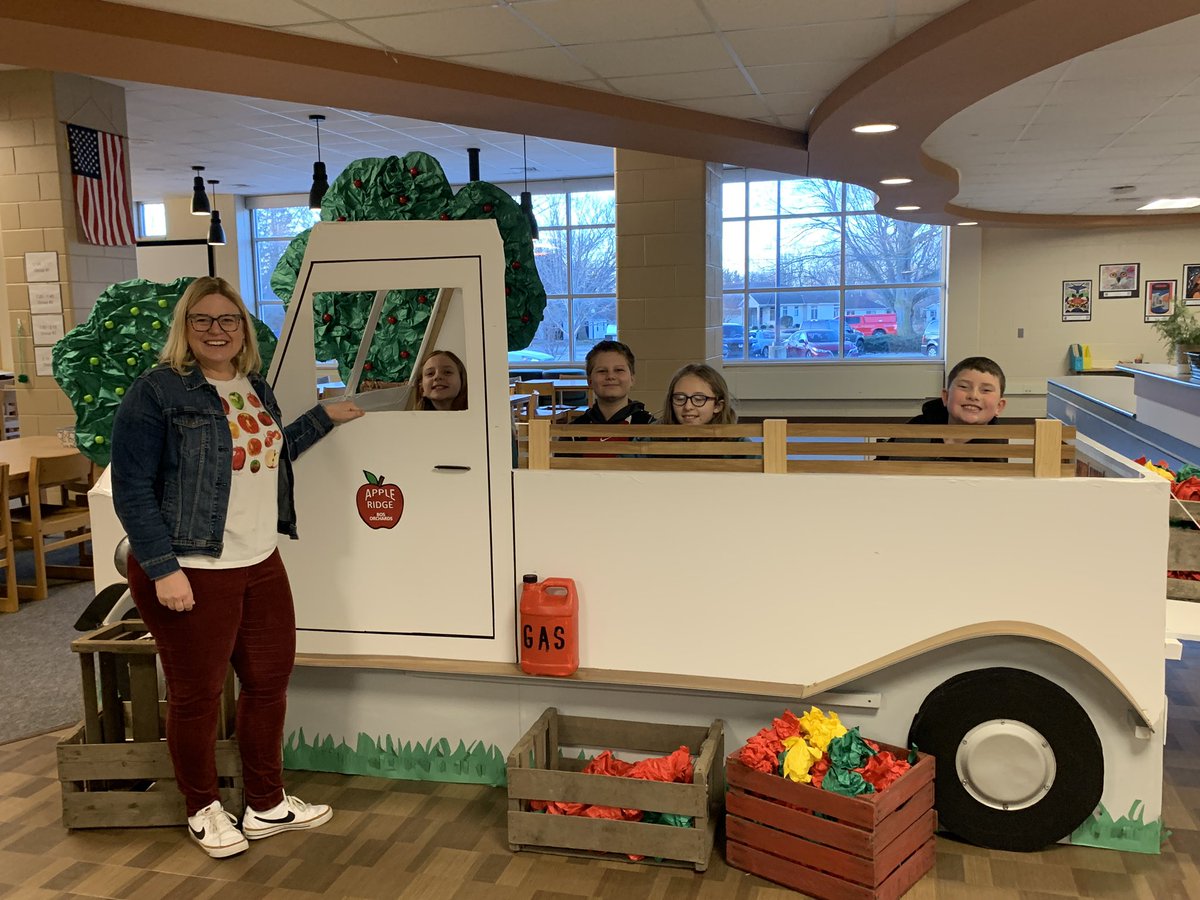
(549, 626)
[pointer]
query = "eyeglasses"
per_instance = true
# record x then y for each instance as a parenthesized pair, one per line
(228, 324)
(698, 400)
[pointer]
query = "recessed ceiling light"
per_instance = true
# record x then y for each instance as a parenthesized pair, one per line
(966, 223)
(1173, 203)
(895, 181)
(907, 208)
(875, 128)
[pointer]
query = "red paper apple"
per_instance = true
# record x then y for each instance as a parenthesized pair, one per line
(380, 505)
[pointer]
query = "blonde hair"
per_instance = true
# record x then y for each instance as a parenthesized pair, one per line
(178, 355)
(716, 383)
(460, 401)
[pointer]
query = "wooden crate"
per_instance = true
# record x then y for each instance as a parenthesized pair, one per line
(114, 768)
(1183, 549)
(539, 770)
(828, 846)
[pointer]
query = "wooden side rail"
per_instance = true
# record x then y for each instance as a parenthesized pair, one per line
(1041, 449)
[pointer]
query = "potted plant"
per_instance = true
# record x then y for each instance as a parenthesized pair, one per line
(1180, 331)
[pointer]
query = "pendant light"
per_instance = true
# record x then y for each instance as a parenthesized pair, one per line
(526, 197)
(200, 205)
(320, 179)
(216, 234)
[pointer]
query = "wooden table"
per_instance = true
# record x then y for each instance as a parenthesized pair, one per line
(18, 452)
(569, 386)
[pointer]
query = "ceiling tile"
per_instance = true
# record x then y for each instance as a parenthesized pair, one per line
(362, 9)
(833, 41)
(589, 22)
(546, 63)
(683, 86)
(739, 107)
(262, 13)
(334, 31)
(457, 32)
(802, 76)
(697, 53)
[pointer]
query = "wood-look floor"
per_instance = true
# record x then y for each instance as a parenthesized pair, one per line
(392, 839)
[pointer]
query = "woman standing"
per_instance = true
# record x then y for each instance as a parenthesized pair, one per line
(202, 483)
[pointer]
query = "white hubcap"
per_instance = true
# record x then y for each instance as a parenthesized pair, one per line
(1005, 764)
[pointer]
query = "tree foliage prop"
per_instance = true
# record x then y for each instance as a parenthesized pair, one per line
(98, 359)
(401, 189)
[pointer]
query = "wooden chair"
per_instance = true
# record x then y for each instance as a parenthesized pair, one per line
(543, 406)
(36, 524)
(9, 602)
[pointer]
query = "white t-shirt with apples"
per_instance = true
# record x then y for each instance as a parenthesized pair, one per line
(252, 521)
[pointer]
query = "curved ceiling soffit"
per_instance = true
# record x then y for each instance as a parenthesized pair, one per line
(111, 40)
(943, 68)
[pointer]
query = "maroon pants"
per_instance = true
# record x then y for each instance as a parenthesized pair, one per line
(244, 616)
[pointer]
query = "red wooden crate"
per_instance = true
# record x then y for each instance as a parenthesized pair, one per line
(832, 847)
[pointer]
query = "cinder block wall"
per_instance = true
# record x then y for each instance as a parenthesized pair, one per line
(37, 213)
(668, 265)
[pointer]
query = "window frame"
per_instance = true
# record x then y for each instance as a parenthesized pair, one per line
(808, 312)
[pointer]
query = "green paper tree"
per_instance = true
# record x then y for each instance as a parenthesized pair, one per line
(401, 189)
(98, 359)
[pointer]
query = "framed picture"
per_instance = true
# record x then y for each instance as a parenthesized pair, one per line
(1191, 284)
(1160, 300)
(1118, 281)
(1077, 301)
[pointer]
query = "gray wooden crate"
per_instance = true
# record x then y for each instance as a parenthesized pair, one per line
(115, 769)
(538, 770)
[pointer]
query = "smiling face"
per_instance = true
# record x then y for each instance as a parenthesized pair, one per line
(440, 381)
(973, 398)
(610, 378)
(214, 349)
(689, 413)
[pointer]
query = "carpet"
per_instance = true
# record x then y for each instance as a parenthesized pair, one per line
(39, 672)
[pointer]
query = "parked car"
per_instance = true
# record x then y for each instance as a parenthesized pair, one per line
(931, 340)
(528, 356)
(872, 323)
(733, 338)
(761, 341)
(814, 343)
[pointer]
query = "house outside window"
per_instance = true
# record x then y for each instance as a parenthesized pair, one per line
(812, 273)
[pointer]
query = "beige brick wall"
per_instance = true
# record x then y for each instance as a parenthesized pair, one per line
(37, 213)
(668, 265)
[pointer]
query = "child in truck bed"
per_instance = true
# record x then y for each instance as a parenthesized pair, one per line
(698, 395)
(610, 374)
(974, 395)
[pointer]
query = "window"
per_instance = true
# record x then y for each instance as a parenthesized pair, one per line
(273, 227)
(812, 272)
(576, 257)
(152, 219)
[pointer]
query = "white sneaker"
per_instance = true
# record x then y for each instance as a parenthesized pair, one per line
(216, 832)
(292, 814)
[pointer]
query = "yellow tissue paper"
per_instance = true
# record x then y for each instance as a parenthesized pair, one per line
(799, 757)
(821, 728)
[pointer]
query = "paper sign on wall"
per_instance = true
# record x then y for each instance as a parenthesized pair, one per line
(47, 329)
(45, 298)
(41, 266)
(42, 361)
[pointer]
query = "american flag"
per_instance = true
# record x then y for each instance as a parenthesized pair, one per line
(101, 193)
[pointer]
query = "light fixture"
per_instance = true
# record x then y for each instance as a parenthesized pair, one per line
(895, 181)
(907, 208)
(216, 234)
(200, 205)
(1173, 203)
(320, 179)
(526, 197)
(875, 128)
(966, 223)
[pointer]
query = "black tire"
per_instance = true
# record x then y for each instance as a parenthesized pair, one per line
(1014, 695)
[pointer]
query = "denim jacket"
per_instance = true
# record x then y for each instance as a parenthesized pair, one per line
(172, 465)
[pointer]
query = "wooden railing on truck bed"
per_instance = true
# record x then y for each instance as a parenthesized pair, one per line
(1039, 449)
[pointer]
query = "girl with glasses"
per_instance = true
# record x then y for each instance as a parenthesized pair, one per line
(698, 395)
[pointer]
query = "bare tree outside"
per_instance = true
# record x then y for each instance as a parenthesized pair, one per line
(798, 234)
